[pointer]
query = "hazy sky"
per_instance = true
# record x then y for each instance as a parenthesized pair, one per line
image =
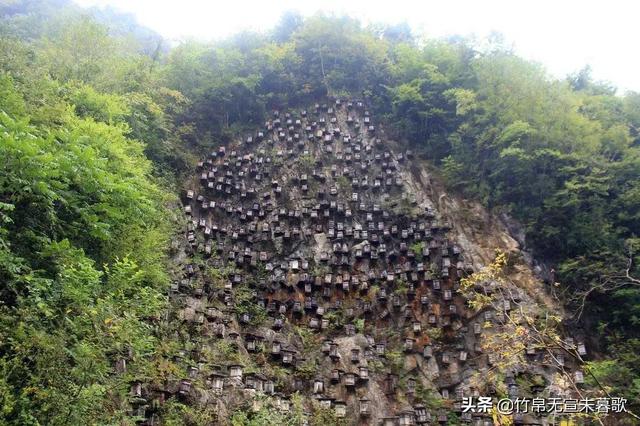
(563, 35)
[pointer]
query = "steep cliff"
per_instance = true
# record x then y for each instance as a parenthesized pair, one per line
(325, 270)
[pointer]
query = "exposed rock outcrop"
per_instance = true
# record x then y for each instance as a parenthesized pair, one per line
(324, 260)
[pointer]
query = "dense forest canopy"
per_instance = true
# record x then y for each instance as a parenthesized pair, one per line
(99, 121)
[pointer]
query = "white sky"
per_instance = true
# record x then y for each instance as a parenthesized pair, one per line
(564, 35)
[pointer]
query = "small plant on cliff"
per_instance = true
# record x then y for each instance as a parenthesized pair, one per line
(430, 398)
(493, 272)
(245, 304)
(395, 359)
(324, 416)
(417, 248)
(309, 339)
(306, 163)
(307, 370)
(344, 186)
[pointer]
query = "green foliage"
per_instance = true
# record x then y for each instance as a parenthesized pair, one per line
(395, 360)
(434, 333)
(310, 341)
(376, 366)
(325, 416)
(526, 382)
(101, 107)
(83, 234)
(306, 163)
(429, 397)
(10, 101)
(268, 414)
(175, 413)
(308, 370)
(344, 185)
(401, 287)
(94, 125)
(336, 318)
(417, 248)
(245, 303)
(619, 376)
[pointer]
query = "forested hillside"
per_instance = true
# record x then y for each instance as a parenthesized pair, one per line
(101, 123)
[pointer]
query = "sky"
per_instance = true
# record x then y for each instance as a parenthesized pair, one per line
(564, 35)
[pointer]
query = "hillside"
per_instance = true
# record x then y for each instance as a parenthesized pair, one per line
(325, 223)
(342, 286)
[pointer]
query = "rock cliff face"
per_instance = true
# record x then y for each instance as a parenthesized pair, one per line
(322, 260)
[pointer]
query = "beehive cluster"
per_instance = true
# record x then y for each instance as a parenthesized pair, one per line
(306, 228)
